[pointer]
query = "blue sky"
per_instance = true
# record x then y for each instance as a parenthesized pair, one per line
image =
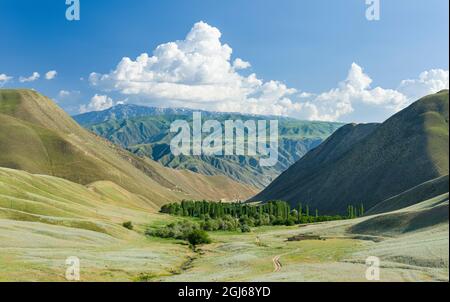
(300, 52)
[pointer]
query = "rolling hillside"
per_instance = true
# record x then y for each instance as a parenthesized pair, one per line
(423, 215)
(43, 219)
(38, 137)
(145, 132)
(424, 191)
(371, 163)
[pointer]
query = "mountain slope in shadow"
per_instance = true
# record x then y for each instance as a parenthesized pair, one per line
(372, 162)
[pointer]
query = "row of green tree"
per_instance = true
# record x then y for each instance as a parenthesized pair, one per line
(270, 213)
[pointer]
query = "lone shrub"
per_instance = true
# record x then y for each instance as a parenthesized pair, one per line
(197, 237)
(128, 225)
(245, 228)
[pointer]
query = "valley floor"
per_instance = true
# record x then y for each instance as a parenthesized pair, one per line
(37, 252)
(422, 256)
(45, 220)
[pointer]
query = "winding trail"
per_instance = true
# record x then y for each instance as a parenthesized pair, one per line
(277, 264)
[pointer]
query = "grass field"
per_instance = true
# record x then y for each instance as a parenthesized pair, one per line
(44, 220)
(339, 256)
(37, 252)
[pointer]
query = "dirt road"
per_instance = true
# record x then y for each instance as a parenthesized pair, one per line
(277, 264)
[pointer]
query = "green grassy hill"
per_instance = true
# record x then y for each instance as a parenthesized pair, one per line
(45, 219)
(145, 132)
(100, 207)
(370, 163)
(38, 137)
(424, 191)
(425, 214)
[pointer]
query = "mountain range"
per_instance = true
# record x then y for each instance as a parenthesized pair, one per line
(145, 131)
(383, 166)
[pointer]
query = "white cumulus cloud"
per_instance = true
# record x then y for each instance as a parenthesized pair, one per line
(50, 75)
(97, 103)
(4, 79)
(241, 64)
(64, 93)
(69, 95)
(428, 82)
(35, 76)
(196, 72)
(351, 94)
(200, 72)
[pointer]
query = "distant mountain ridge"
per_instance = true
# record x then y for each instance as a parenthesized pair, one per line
(370, 163)
(145, 131)
(126, 111)
(129, 111)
